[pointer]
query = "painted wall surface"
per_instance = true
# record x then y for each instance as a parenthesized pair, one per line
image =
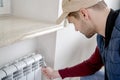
(5, 7)
(115, 4)
(44, 45)
(16, 50)
(44, 10)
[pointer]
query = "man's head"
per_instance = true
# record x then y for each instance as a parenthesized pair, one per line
(79, 12)
(69, 6)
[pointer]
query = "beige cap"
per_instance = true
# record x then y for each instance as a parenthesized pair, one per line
(74, 5)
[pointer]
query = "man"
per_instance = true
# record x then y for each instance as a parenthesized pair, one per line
(93, 17)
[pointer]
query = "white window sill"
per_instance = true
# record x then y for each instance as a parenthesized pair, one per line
(13, 29)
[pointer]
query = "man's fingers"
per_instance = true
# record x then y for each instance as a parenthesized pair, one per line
(44, 70)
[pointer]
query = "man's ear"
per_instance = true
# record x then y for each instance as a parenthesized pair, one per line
(84, 13)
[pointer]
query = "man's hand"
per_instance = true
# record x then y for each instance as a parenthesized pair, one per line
(50, 73)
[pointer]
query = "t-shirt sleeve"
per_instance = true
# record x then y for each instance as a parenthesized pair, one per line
(88, 67)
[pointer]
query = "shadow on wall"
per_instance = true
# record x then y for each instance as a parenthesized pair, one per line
(72, 47)
(83, 50)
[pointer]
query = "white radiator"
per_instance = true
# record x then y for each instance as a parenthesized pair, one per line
(27, 68)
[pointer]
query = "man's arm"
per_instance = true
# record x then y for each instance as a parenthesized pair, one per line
(88, 67)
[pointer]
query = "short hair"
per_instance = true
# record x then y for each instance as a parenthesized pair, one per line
(74, 14)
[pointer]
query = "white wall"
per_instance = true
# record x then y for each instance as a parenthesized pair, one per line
(45, 45)
(44, 10)
(115, 4)
(5, 7)
(16, 50)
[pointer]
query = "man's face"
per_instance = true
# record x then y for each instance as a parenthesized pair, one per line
(83, 26)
